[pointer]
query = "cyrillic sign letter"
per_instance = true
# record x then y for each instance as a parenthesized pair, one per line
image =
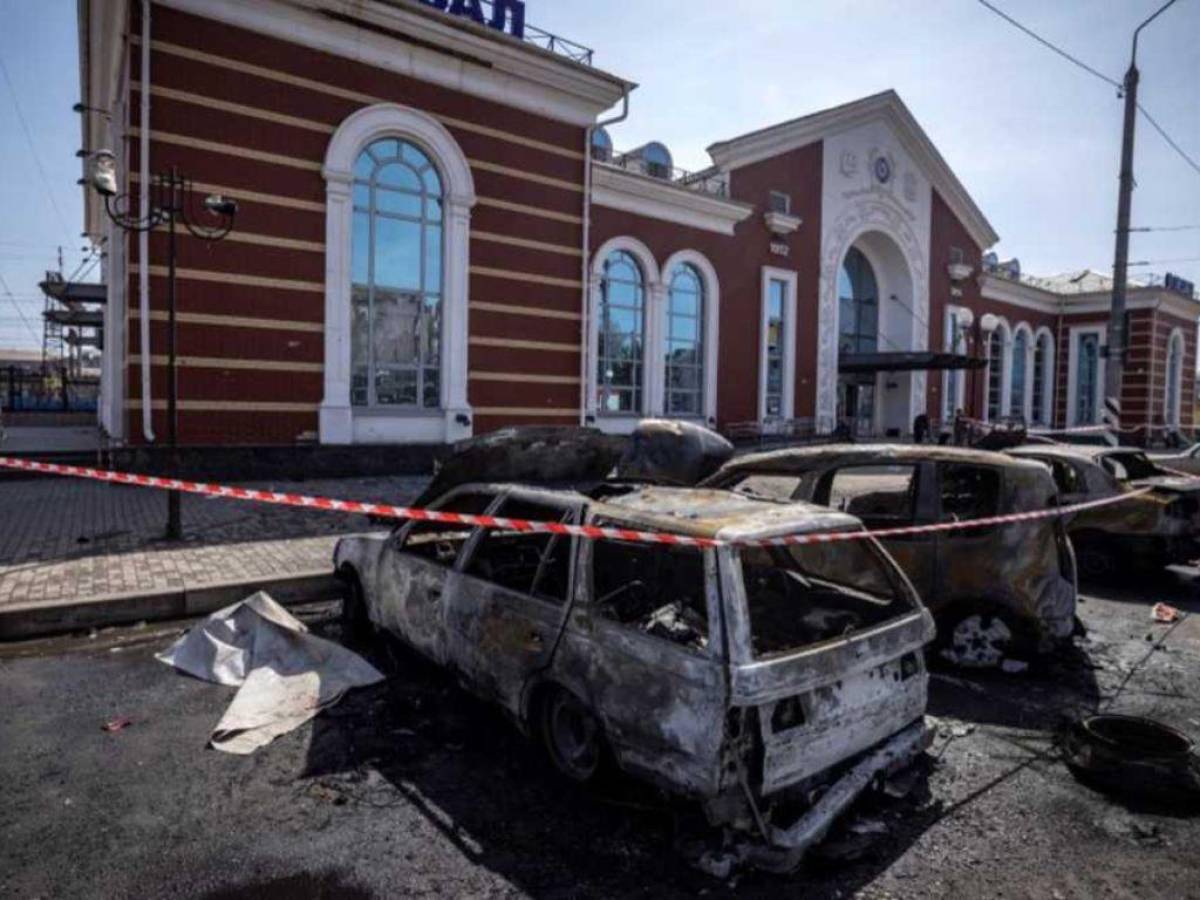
(511, 11)
(469, 8)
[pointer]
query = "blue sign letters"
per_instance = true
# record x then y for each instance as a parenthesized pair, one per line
(507, 15)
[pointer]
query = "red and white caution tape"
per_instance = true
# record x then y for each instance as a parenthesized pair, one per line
(592, 532)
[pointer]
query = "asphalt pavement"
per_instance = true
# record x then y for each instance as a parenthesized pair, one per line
(414, 788)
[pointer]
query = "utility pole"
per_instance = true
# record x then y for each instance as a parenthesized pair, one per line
(1115, 368)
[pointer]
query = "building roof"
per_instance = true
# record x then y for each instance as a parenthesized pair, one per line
(776, 139)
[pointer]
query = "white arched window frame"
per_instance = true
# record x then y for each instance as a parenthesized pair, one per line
(1003, 334)
(712, 322)
(1020, 395)
(1043, 342)
(656, 283)
(340, 423)
(653, 301)
(1173, 388)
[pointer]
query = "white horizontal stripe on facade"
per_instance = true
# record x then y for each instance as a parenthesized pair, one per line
(477, 375)
(515, 344)
(356, 96)
(555, 412)
(286, 284)
(515, 309)
(215, 362)
(573, 283)
(191, 318)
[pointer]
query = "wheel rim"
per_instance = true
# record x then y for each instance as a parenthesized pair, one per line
(979, 641)
(573, 737)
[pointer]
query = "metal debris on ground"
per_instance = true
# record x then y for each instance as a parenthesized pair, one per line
(1133, 755)
(286, 675)
(114, 725)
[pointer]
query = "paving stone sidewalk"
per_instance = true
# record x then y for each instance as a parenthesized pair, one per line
(70, 539)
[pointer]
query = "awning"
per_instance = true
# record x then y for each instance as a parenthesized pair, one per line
(854, 363)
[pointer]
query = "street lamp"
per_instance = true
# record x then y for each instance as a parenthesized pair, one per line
(1116, 320)
(171, 200)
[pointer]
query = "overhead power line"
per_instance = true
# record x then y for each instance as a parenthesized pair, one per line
(1165, 262)
(32, 148)
(17, 307)
(1168, 228)
(1171, 142)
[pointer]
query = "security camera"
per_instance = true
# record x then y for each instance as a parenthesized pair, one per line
(104, 173)
(220, 205)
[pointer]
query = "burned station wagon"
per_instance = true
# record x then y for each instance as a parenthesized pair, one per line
(772, 684)
(1152, 530)
(999, 592)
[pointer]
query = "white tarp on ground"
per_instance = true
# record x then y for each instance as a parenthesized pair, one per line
(286, 675)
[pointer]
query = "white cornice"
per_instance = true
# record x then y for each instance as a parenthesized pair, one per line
(759, 145)
(1016, 293)
(1003, 290)
(663, 200)
(476, 60)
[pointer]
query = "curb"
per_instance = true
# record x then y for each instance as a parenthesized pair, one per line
(28, 620)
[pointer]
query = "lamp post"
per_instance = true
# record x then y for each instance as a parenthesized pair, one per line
(172, 201)
(1116, 320)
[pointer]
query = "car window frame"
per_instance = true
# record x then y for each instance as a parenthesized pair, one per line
(714, 651)
(571, 509)
(922, 485)
(400, 535)
(1000, 485)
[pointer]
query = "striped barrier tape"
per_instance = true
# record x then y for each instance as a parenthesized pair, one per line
(591, 532)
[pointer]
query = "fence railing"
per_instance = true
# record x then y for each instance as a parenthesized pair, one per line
(22, 390)
(704, 182)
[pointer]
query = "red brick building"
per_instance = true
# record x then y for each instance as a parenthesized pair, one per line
(435, 239)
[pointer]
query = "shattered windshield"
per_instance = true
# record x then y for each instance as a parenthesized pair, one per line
(1129, 466)
(805, 594)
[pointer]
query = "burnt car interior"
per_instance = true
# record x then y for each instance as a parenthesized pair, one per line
(1129, 466)
(809, 593)
(655, 589)
(440, 542)
(881, 494)
(969, 492)
(528, 563)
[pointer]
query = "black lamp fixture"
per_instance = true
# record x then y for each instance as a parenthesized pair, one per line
(172, 201)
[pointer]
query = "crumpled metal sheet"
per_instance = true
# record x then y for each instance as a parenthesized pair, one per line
(286, 675)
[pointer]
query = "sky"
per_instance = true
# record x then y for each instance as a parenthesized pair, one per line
(1035, 140)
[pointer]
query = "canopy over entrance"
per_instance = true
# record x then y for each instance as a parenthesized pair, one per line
(909, 361)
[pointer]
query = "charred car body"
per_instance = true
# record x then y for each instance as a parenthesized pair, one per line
(1152, 530)
(772, 684)
(998, 592)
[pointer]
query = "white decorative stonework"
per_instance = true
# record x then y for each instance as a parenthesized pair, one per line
(340, 422)
(891, 229)
(849, 165)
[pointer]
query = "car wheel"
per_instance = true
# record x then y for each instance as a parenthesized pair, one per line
(572, 736)
(356, 623)
(980, 640)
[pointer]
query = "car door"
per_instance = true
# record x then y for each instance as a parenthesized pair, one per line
(642, 647)
(889, 495)
(971, 562)
(504, 618)
(417, 573)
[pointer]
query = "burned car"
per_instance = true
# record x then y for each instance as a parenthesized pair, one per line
(999, 592)
(1148, 531)
(771, 684)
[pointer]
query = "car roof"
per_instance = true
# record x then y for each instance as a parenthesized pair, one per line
(696, 512)
(1091, 453)
(801, 458)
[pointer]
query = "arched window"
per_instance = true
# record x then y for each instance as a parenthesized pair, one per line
(1174, 380)
(1087, 379)
(602, 145)
(858, 320)
(622, 327)
(396, 277)
(995, 374)
(1017, 381)
(685, 343)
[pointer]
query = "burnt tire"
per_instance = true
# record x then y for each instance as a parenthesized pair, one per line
(571, 735)
(356, 623)
(982, 639)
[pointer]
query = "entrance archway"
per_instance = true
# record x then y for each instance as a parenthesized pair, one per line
(876, 314)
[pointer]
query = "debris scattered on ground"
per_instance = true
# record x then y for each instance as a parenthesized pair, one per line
(286, 675)
(1133, 756)
(902, 783)
(1165, 613)
(118, 724)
